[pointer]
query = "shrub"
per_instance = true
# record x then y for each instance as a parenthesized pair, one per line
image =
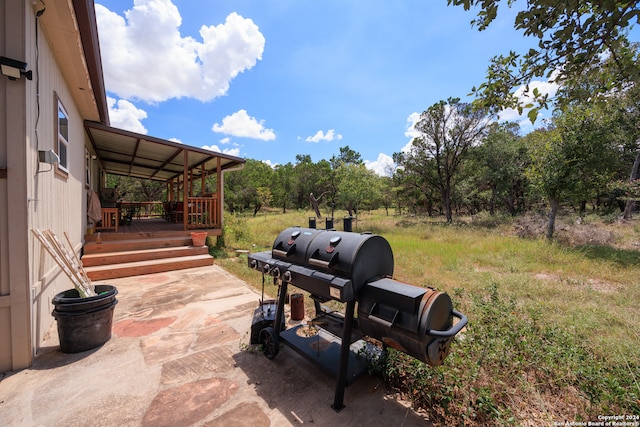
(506, 356)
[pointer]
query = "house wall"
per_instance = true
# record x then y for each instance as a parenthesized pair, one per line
(34, 195)
(15, 331)
(57, 200)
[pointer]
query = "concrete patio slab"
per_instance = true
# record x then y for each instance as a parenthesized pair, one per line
(180, 356)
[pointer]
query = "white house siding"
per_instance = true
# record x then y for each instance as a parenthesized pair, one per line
(15, 334)
(33, 196)
(57, 201)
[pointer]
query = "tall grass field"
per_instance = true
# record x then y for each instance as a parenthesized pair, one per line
(554, 327)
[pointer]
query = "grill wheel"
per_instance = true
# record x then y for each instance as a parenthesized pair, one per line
(269, 342)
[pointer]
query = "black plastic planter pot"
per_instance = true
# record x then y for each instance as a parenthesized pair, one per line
(84, 323)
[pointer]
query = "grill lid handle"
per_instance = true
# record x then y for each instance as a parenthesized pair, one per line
(313, 260)
(284, 254)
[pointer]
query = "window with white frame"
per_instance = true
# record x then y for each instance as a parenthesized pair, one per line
(63, 138)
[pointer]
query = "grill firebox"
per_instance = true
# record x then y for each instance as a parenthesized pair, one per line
(352, 269)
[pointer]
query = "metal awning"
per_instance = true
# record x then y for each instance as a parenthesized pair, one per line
(125, 153)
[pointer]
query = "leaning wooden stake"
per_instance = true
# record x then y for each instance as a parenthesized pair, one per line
(70, 259)
(60, 256)
(78, 262)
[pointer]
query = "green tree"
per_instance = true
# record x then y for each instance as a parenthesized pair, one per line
(233, 189)
(447, 130)
(310, 178)
(357, 186)
(572, 37)
(547, 170)
(388, 192)
(590, 132)
(500, 163)
(241, 187)
(136, 189)
(574, 159)
(346, 157)
(264, 199)
(417, 181)
(283, 185)
(608, 90)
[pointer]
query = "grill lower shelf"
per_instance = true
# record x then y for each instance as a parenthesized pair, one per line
(333, 323)
(323, 349)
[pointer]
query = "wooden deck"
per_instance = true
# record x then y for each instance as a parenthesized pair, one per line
(148, 227)
(146, 246)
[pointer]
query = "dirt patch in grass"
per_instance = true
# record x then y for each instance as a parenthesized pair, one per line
(580, 283)
(575, 231)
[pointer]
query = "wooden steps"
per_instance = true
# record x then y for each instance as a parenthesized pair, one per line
(108, 246)
(98, 259)
(105, 272)
(134, 255)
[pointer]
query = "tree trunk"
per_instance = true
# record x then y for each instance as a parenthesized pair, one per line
(349, 209)
(511, 206)
(492, 200)
(631, 204)
(446, 200)
(552, 217)
(314, 204)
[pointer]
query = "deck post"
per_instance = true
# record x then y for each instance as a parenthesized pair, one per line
(219, 187)
(202, 180)
(185, 183)
(191, 181)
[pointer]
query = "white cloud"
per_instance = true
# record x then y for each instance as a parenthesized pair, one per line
(546, 87)
(270, 163)
(225, 140)
(411, 131)
(382, 166)
(175, 140)
(321, 136)
(229, 151)
(242, 125)
(145, 57)
(124, 115)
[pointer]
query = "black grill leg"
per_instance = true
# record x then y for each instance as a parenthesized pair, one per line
(282, 298)
(338, 401)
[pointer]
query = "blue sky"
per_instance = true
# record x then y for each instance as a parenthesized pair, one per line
(268, 80)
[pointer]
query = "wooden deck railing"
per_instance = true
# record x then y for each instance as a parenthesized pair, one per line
(202, 213)
(139, 210)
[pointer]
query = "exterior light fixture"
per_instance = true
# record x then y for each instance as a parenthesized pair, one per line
(14, 69)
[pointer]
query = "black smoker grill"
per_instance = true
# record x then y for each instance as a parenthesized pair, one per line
(349, 268)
